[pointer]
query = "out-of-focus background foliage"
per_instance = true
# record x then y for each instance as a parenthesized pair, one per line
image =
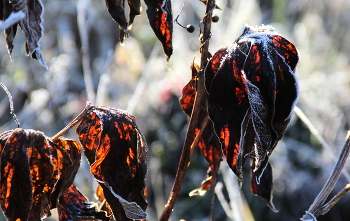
(135, 77)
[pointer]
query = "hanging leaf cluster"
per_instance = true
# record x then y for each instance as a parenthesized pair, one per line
(30, 23)
(159, 14)
(252, 90)
(38, 171)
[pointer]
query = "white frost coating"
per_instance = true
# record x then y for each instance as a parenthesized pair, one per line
(132, 210)
(39, 56)
(308, 217)
(13, 18)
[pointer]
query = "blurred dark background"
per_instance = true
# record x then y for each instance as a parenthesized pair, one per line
(137, 78)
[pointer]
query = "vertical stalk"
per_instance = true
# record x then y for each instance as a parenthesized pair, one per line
(83, 6)
(190, 136)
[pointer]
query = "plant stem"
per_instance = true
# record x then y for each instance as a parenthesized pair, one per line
(74, 122)
(315, 132)
(190, 136)
(328, 187)
(83, 7)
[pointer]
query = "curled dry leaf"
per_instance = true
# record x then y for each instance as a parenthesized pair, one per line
(117, 154)
(116, 9)
(160, 18)
(75, 206)
(252, 90)
(31, 25)
(35, 171)
(208, 144)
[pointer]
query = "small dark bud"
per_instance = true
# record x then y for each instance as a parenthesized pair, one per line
(190, 28)
(215, 18)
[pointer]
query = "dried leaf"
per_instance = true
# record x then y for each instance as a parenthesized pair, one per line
(252, 91)
(26, 167)
(227, 102)
(208, 144)
(75, 206)
(31, 25)
(116, 151)
(69, 158)
(160, 17)
(263, 185)
(135, 9)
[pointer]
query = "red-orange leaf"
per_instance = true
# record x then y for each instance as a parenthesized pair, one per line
(26, 168)
(75, 206)
(208, 144)
(160, 17)
(116, 151)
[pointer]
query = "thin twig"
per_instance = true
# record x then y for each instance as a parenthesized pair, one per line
(328, 187)
(83, 25)
(74, 122)
(325, 208)
(12, 110)
(315, 132)
(190, 136)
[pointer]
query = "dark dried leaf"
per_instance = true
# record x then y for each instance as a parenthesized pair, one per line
(31, 25)
(26, 167)
(209, 143)
(135, 9)
(75, 206)
(69, 156)
(271, 60)
(116, 151)
(262, 186)
(160, 17)
(11, 30)
(227, 102)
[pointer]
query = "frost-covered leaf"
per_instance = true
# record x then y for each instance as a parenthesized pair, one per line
(252, 90)
(31, 25)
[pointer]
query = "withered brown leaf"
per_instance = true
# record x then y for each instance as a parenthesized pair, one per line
(117, 154)
(75, 206)
(160, 17)
(252, 90)
(31, 25)
(25, 167)
(208, 144)
(116, 9)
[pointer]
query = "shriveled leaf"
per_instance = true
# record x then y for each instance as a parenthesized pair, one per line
(227, 102)
(160, 17)
(116, 9)
(135, 9)
(252, 91)
(15, 180)
(74, 206)
(261, 122)
(10, 21)
(208, 144)
(26, 168)
(31, 25)
(270, 62)
(69, 156)
(262, 186)
(117, 154)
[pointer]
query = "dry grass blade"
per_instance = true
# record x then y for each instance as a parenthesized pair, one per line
(328, 187)
(12, 110)
(12, 19)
